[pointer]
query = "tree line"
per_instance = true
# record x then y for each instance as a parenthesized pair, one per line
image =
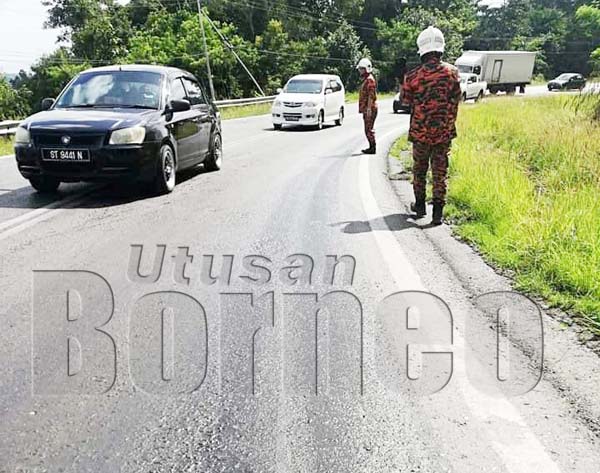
(279, 38)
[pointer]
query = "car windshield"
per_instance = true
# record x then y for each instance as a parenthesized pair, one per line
(304, 87)
(117, 89)
(464, 68)
(564, 77)
(464, 79)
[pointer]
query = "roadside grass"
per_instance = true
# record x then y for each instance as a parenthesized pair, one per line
(6, 146)
(230, 113)
(524, 186)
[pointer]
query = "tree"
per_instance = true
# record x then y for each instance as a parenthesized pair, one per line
(588, 19)
(13, 106)
(50, 74)
(175, 39)
(97, 29)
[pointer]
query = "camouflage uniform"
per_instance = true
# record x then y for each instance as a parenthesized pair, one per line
(433, 91)
(368, 100)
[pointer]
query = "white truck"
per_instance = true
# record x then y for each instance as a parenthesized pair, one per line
(504, 71)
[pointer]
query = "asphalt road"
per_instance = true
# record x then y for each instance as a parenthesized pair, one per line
(256, 373)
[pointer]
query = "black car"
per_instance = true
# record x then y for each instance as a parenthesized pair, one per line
(131, 122)
(400, 104)
(567, 82)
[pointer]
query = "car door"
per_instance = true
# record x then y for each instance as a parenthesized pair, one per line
(339, 95)
(202, 117)
(181, 125)
(472, 86)
(342, 93)
(331, 108)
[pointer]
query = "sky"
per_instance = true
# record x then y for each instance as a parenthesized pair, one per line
(23, 38)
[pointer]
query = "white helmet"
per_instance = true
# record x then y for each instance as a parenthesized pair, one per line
(365, 64)
(431, 40)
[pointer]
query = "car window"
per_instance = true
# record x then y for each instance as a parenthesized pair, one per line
(339, 86)
(113, 89)
(304, 86)
(194, 92)
(177, 90)
(335, 85)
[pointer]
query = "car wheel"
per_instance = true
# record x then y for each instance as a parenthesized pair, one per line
(277, 127)
(44, 184)
(215, 158)
(165, 179)
(479, 96)
(464, 97)
(340, 121)
(321, 120)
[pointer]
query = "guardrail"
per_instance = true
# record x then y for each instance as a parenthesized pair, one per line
(241, 102)
(9, 128)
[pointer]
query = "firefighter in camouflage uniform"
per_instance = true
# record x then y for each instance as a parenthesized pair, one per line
(367, 103)
(433, 91)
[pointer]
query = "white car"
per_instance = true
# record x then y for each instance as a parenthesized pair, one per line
(310, 100)
(472, 87)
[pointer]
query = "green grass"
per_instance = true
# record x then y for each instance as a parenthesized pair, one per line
(6, 146)
(524, 186)
(245, 111)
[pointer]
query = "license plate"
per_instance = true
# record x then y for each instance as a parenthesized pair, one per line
(68, 155)
(292, 119)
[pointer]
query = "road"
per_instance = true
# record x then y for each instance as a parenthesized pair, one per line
(256, 380)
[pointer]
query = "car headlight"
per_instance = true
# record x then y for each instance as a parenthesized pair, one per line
(22, 137)
(128, 136)
(310, 104)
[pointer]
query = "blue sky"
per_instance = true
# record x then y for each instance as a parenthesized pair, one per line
(23, 38)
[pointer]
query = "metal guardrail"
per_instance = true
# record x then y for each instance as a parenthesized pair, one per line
(241, 102)
(9, 127)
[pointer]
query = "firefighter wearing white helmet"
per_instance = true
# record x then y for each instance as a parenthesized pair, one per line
(433, 92)
(367, 102)
(431, 40)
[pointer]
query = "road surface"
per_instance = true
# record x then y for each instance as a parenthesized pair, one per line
(243, 373)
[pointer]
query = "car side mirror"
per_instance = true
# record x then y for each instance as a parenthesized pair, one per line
(477, 70)
(328, 91)
(279, 90)
(178, 106)
(47, 104)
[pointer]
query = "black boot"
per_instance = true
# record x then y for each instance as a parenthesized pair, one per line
(372, 149)
(419, 208)
(438, 213)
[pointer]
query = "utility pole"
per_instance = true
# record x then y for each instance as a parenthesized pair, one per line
(231, 48)
(210, 78)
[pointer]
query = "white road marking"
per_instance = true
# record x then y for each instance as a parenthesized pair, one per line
(508, 433)
(22, 222)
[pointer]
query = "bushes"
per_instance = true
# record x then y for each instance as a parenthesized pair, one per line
(13, 105)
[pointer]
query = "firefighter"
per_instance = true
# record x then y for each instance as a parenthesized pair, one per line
(367, 104)
(433, 91)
